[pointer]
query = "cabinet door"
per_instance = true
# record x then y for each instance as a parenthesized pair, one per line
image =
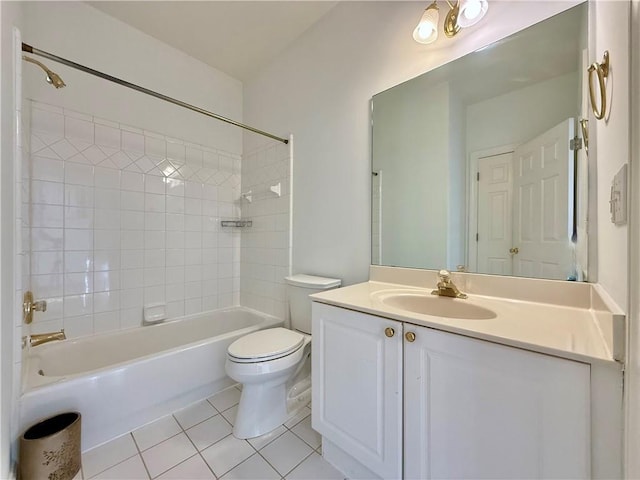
(357, 386)
(474, 409)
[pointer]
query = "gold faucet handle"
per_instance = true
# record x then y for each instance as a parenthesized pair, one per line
(445, 275)
(29, 306)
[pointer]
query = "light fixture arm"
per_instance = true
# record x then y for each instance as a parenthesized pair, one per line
(451, 27)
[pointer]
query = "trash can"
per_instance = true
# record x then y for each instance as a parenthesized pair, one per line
(50, 449)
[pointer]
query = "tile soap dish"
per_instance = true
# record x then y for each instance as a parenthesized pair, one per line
(236, 223)
(154, 313)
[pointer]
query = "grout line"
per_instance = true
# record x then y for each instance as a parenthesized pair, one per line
(117, 463)
(144, 464)
(199, 452)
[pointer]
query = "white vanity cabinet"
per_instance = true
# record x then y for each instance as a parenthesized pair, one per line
(425, 404)
(357, 387)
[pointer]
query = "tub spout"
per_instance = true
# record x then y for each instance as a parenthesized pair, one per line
(40, 338)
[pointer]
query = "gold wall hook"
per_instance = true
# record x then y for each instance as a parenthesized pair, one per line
(602, 72)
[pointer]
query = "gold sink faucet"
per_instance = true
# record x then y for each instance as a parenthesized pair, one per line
(446, 288)
(40, 338)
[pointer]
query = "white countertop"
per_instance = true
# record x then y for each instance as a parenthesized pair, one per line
(564, 331)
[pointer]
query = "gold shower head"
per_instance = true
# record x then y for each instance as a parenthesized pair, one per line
(52, 77)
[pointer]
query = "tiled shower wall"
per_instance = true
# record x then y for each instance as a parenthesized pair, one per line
(122, 218)
(266, 245)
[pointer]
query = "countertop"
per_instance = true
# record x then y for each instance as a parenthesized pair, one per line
(564, 331)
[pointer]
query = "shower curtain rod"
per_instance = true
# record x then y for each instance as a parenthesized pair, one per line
(29, 49)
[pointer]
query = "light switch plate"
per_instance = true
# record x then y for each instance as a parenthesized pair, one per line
(618, 201)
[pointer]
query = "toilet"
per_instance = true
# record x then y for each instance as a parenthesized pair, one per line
(274, 366)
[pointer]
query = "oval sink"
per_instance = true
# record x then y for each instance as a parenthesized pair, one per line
(436, 306)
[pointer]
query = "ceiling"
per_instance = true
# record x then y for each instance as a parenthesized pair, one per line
(237, 37)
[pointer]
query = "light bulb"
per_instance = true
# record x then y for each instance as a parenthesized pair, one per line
(473, 9)
(427, 29)
(424, 31)
(471, 12)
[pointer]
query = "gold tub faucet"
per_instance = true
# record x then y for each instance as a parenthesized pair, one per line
(40, 338)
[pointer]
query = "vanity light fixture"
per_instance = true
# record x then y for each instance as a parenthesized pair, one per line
(462, 14)
(427, 29)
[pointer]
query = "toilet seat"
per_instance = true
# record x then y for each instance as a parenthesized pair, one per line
(265, 345)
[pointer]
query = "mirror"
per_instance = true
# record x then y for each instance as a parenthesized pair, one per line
(473, 166)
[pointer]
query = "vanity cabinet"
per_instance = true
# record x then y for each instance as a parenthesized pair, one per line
(415, 402)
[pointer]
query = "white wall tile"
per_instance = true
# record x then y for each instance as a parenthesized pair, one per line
(50, 193)
(175, 187)
(78, 283)
(46, 286)
(78, 217)
(132, 142)
(78, 129)
(154, 221)
(81, 326)
(132, 239)
(174, 204)
(106, 322)
(78, 196)
(47, 216)
(106, 260)
(77, 174)
(76, 239)
(107, 198)
(106, 301)
(106, 281)
(133, 278)
(107, 219)
(107, 240)
(154, 202)
(117, 226)
(76, 305)
(47, 262)
(175, 222)
(132, 181)
(107, 136)
(153, 184)
(132, 200)
(131, 259)
(106, 177)
(154, 240)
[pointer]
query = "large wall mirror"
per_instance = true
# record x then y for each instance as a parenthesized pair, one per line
(477, 165)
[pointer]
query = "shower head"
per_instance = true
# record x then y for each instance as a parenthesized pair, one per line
(52, 77)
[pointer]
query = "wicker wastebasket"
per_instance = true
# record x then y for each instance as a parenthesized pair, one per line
(50, 449)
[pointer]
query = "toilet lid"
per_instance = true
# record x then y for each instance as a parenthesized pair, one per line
(266, 344)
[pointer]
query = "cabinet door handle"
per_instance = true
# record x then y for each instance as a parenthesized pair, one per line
(410, 336)
(389, 332)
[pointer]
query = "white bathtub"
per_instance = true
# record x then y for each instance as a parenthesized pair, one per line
(122, 380)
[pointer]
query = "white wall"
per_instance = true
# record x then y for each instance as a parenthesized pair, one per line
(80, 33)
(10, 16)
(319, 90)
(611, 137)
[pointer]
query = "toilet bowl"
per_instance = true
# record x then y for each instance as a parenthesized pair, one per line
(274, 365)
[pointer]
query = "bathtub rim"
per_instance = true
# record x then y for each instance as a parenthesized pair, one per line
(32, 380)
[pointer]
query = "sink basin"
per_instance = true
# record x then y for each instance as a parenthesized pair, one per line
(427, 304)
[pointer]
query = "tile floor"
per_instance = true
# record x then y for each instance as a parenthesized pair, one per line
(196, 443)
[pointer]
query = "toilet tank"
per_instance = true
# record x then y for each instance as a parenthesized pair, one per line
(299, 287)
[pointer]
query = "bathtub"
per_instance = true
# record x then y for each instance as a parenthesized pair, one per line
(122, 380)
